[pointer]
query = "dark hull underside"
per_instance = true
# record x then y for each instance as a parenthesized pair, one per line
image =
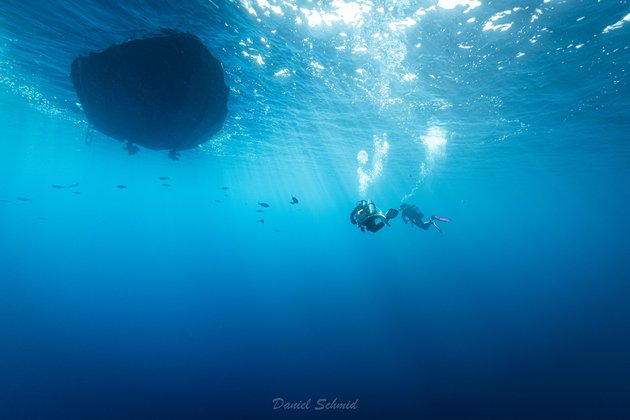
(164, 93)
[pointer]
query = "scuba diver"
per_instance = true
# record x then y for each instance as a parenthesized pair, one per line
(367, 216)
(411, 213)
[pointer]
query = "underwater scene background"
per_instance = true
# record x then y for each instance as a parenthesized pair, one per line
(135, 287)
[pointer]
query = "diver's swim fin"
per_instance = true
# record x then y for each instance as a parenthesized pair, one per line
(391, 213)
(440, 218)
(436, 226)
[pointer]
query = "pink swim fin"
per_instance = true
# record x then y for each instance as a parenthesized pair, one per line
(440, 218)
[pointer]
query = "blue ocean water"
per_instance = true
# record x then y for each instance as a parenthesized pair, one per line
(511, 118)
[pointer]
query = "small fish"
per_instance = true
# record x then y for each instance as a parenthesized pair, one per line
(277, 230)
(121, 186)
(263, 204)
(166, 185)
(261, 221)
(24, 199)
(225, 188)
(73, 185)
(260, 211)
(217, 201)
(76, 192)
(57, 186)
(5, 201)
(293, 200)
(164, 178)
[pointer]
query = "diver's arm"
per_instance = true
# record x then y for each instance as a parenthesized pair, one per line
(354, 213)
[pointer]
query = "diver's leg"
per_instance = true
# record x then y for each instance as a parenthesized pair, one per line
(421, 224)
(436, 226)
(377, 226)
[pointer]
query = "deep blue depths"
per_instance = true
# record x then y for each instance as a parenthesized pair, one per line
(159, 302)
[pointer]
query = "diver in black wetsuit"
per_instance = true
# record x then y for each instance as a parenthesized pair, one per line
(411, 213)
(367, 216)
